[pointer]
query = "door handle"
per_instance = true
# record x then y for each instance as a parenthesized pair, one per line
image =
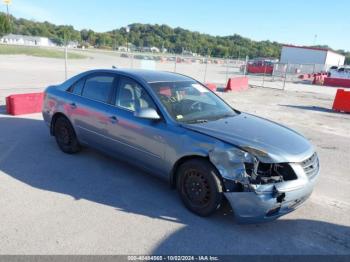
(113, 119)
(73, 105)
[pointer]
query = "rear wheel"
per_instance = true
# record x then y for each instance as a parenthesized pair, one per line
(65, 136)
(199, 187)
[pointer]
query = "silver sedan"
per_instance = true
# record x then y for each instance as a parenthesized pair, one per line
(174, 127)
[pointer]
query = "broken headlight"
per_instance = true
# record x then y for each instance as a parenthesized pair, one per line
(231, 162)
(266, 173)
(244, 167)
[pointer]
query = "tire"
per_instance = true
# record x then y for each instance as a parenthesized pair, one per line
(65, 136)
(199, 187)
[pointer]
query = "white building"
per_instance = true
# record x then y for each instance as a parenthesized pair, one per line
(26, 40)
(73, 44)
(309, 55)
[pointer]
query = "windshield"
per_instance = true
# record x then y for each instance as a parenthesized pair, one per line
(189, 101)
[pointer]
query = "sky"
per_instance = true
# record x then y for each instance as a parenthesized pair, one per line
(298, 22)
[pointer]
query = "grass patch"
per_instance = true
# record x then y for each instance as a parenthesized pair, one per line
(37, 51)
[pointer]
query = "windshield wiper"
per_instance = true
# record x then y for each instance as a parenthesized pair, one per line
(223, 116)
(196, 121)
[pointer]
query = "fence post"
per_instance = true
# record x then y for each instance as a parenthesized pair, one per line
(175, 64)
(132, 60)
(205, 70)
(285, 77)
(263, 82)
(65, 62)
(226, 70)
(246, 64)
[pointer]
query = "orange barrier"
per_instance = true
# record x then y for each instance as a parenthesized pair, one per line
(338, 82)
(237, 84)
(304, 76)
(342, 101)
(24, 103)
(211, 86)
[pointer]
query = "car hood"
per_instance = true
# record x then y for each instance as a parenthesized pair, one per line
(272, 141)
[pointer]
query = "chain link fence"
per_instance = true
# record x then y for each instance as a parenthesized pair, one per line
(217, 70)
(204, 69)
(284, 73)
(38, 72)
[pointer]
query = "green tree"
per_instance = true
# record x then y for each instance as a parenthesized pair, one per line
(5, 25)
(142, 35)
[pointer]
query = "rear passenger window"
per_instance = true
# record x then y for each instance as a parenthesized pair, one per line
(77, 87)
(98, 88)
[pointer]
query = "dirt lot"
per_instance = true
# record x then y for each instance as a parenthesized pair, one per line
(52, 203)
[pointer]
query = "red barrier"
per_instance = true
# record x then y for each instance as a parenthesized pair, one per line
(305, 76)
(8, 105)
(237, 84)
(260, 69)
(211, 86)
(318, 80)
(24, 103)
(342, 101)
(338, 82)
(165, 91)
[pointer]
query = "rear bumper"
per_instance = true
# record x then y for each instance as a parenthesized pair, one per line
(253, 207)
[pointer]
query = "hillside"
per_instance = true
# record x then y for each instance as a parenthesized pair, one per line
(141, 35)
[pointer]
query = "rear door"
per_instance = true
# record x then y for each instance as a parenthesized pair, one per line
(90, 110)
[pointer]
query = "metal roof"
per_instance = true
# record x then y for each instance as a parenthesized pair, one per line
(149, 76)
(24, 37)
(312, 48)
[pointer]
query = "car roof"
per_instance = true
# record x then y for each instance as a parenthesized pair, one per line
(149, 76)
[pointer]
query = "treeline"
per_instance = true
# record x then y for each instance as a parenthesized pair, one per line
(175, 40)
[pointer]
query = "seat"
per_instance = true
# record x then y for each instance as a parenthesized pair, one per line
(126, 99)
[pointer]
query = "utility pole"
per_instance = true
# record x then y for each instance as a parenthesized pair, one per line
(66, 62)
(127, 29)
(7, 3)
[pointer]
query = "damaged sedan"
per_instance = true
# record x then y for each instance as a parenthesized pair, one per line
(174, 127)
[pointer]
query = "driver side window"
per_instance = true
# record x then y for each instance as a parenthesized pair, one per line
(132, 96)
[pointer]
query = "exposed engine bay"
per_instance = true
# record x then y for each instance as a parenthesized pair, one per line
(264, 173)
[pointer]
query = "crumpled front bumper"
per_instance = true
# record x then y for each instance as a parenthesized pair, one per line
(256, 207)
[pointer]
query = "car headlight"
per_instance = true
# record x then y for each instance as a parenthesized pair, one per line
(231, 162)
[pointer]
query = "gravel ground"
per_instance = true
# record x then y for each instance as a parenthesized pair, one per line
(52, 203)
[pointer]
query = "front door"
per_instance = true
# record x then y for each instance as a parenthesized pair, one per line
(140, 140)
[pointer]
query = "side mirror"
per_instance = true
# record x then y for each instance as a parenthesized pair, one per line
(147, 113)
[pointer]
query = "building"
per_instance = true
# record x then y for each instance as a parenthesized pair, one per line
(188, 53)
(151, 49)
(321, 57)
(73, 44)
(26, 40)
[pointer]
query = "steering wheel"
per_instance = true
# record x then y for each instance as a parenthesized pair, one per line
(196, 106)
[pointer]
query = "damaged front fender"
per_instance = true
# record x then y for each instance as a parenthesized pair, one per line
(252, 207)
(230, 163)
(268, 191)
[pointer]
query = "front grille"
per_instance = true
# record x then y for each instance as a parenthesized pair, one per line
(311, 166)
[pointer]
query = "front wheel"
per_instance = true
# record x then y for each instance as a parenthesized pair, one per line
(65, 136)
(199, 187)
